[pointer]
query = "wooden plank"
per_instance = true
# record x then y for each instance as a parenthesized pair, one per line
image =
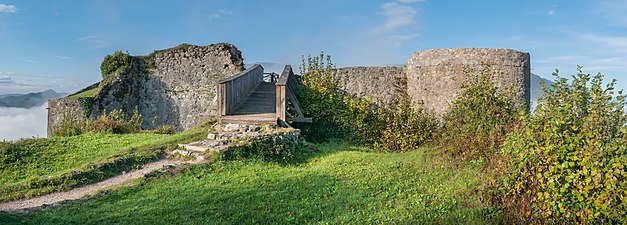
(236, 88)
(294, 100)
(300, 120)
(221, 100)
(280, 109)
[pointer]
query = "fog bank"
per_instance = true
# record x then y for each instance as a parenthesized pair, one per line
(16, 123)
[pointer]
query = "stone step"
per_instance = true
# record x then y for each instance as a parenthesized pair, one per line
(185, 153)
(194, 147)
(225, 136)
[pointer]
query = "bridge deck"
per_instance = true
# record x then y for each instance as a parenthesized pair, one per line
(259, 107)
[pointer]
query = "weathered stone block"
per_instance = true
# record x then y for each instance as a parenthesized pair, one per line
(378, 84)
(436, 77)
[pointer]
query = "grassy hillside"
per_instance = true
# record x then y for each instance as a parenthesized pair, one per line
(337, 184)
(32, 167)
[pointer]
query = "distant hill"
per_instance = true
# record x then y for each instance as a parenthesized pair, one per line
(536, 88)
(269, 67)
(29, 100)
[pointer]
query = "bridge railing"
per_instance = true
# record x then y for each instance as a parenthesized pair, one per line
(286, 92)
(233, 90)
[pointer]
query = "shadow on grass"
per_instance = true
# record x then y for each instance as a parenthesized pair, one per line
(301, 198)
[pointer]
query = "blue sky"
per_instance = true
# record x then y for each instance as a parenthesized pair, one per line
(60, 44)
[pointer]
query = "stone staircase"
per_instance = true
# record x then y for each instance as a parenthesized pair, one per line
(221, 140)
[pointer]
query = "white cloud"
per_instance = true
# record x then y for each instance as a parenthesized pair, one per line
(27, 83)
(613, 43)
(219, 14)
(7, 8)
(553, 12)
(398, 16)
(397, 40)
(400, 23)
(28, 60)
(410, 1)
(6, 80)
(613, 11)
(60, 57)
(23, 123)
(93, 41)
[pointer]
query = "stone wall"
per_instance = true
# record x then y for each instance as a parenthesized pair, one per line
(58, 109)
(379, 84)
(178, 86)
(436, 77)
(180, 89)
(175, 86)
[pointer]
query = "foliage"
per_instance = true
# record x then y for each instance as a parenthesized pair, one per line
(89, 93)
(115, 63)
(320, 99)
(278, 149)
(397, 127)
(478, 121)
(339, 115)
(70, 125)
(339, 184)
(116, 122)
(165, 129)
(569, 159)
(32, 167)
(11, 152)
(272, 147)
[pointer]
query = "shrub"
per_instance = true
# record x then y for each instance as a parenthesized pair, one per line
(478, 120)
(397, 127)
(11, 152)
(70, 125)
(336, 114)
(117, 62)
(270, 148)
(166, 129)
(568, 160)
(116, 122)
(320, 99)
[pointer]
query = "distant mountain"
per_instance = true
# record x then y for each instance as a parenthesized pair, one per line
(536, 88)
(29, 100)
(269, 67)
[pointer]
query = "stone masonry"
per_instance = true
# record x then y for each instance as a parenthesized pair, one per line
(378, 84)
(180, 88)
(176, 86)
(436, 77)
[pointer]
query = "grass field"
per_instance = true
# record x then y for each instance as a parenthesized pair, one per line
(337, 184)
(33, 167)
(85, 94)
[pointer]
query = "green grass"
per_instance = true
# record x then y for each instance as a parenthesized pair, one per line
(85, 94)
(338, 184)
(60, 163)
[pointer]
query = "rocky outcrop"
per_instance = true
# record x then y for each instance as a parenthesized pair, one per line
(176, 86)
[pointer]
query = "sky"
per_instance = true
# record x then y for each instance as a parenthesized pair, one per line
(59, 44)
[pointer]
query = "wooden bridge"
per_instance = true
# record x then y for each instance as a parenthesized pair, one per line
(255, 97)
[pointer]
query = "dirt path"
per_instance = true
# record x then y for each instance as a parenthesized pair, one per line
(25, 205)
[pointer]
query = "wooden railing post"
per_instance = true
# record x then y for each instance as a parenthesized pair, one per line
(281, 104)
(285, 91)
